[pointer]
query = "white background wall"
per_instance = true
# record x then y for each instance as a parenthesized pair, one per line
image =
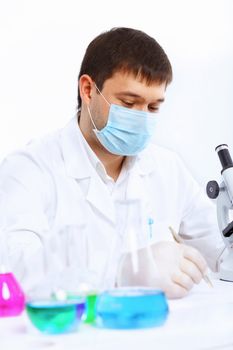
(42, 43)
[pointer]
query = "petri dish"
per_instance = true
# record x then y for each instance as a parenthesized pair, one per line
(54, 316)
(131, 308)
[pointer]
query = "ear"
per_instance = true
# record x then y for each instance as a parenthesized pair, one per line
(85, 88)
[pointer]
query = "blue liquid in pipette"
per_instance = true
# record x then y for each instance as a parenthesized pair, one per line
(132, 308)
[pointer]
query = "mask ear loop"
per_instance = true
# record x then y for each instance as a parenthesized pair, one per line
(89, 112)
(102, 95)
(89, 108)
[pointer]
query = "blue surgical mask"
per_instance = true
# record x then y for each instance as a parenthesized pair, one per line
(127, 132)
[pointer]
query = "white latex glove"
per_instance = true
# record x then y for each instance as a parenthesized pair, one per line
(175, 269)
(180, 267)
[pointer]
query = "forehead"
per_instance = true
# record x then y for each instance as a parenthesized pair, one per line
(122, 82)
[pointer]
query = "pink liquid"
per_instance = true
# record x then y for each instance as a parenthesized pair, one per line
(12, 299)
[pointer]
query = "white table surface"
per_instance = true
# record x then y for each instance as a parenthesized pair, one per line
(202, 320)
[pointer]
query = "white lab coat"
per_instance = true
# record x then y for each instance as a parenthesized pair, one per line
(51, 184)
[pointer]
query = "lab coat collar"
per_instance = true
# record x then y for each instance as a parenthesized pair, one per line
(146, 160)
(76, 162)
(79, 166)
(74, 154)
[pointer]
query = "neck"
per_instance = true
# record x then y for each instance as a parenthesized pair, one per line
(112, 163)
(113, 166)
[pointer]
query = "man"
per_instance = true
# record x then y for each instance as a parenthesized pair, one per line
(103, 160)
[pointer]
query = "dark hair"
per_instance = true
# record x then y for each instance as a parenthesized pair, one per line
(128, 50)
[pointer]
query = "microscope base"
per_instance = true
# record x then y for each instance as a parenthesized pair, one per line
(226, 268)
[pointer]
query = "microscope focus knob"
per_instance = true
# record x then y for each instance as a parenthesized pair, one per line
(212, 189)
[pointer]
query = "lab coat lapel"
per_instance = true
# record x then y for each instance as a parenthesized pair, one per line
(138, 189)
(137, 184)
(79, 167)
(98, 196)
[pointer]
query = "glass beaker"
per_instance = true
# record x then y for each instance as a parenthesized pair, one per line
(67, 279)
(78, 279)
(137, 265)
(136, 302)
(50, 306)
(132, 308)
(12, 298)
(55, 316)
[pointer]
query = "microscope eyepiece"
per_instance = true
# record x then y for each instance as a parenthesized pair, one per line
(224, 156)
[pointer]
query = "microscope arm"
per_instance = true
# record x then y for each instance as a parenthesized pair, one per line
(223, 207)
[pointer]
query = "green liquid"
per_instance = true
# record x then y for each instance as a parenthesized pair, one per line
(53, 317)
(90, 308)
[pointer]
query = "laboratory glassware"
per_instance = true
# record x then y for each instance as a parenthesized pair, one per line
(136, 302)
(12, 298)
(52, 306)
(82, 281)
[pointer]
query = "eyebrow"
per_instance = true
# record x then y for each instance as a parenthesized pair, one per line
(131, 94)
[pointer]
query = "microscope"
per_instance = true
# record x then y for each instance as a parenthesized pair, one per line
(224, 195)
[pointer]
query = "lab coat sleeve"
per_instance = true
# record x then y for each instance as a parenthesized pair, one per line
(24, 196)
(199, 227)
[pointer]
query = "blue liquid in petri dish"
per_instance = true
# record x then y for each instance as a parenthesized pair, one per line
(132, 308)
(55, 317)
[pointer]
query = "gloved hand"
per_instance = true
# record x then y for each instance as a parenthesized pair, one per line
(179, 266)
(170, 266)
